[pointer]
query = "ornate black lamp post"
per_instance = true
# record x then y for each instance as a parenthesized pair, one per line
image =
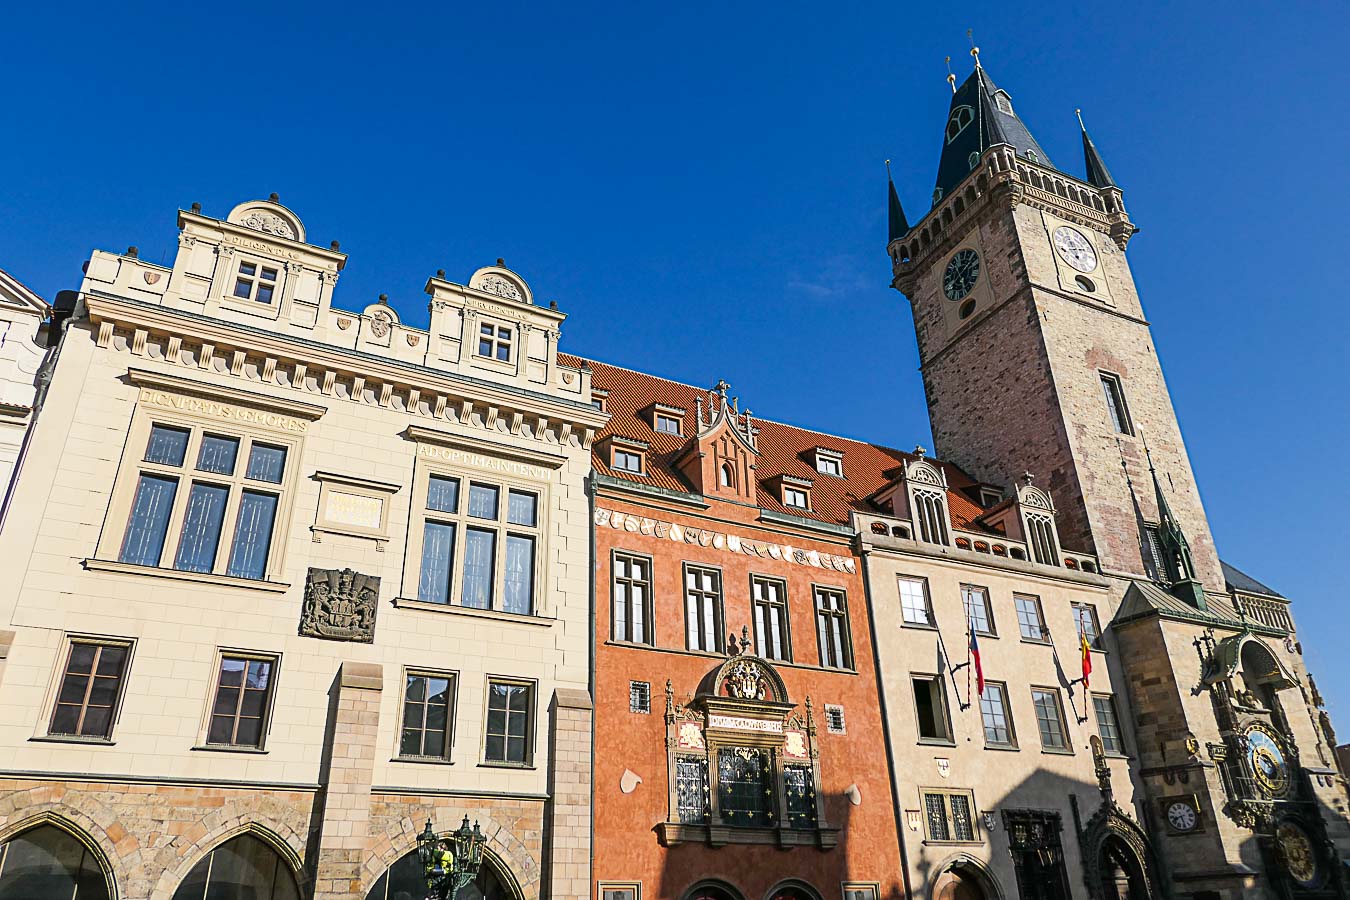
(452, 862)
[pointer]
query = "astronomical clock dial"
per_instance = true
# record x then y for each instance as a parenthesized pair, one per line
(962, 273)
(1265, 759)
(1181, 815)
(1075, 248)
(1297, 853)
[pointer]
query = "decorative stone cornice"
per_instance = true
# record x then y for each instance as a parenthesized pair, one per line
(190, 341)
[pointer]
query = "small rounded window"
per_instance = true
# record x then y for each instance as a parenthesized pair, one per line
(1085, 283)
(725, 475)
(974, 159)
(1031, 155)
(966, 309)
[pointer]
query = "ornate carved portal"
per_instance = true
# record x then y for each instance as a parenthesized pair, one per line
(743, 762)
(340, 605)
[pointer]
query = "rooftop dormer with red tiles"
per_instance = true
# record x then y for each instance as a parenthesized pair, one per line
(719, 460)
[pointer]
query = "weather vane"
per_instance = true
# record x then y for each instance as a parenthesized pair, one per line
(951, 79)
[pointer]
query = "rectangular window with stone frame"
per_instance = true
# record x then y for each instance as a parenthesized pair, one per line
(427, 727)
(1050, 719)
(979, 616)
(90, 689)
(832, 629)
(1114, 392)
(930, 709)
(479, 541)
(632, 599)
(508, 739)
(206, 500)
(1030, 619)
(1085, 621)
(915, 606)
(255, 281)
(703, 608)
(242, 700)
(768, 600)
(1108, 725)
(949, 816)
(495, 341)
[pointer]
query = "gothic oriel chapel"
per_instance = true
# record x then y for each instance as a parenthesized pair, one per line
(287, 583)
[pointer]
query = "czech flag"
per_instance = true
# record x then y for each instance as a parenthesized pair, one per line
(979, 667)
(1087, 658)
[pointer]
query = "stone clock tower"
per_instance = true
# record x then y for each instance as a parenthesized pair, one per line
(1037, 356)
(1035, 350)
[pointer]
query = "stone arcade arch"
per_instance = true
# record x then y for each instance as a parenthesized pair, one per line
(404, 881)
(244, 866)
(963, 877)
(792, 889)
(47, 856)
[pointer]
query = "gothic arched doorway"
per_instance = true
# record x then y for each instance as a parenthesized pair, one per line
(1121, 871)
(404, 880)
(964, 880)
(242, 868)
(47, 861)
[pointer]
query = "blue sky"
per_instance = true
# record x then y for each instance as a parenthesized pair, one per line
(702, 190)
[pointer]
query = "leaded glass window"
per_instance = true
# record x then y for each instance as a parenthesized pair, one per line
(482, 553)
(801, 796)
(950, 816)
(191, 489)
(745, 777)
(703, 609)
(691, 789)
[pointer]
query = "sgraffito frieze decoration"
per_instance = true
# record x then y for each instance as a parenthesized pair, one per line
(340, 605)
(268, 223)
(719, 541)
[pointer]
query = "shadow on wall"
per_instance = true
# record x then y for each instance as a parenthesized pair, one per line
(766, 871)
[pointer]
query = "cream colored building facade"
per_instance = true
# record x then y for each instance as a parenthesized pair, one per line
(334, 569)
(22, 350)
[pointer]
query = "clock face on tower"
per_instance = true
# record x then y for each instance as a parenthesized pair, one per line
(1075, 248)
(1182, 816)
(962, 273)
(1265, 759)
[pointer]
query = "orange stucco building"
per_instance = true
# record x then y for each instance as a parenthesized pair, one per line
(738, 731)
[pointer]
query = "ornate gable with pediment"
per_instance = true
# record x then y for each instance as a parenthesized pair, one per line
(720, 459)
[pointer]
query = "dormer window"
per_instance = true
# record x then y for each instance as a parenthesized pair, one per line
(990, 496)
(1031, 155)
(961, 117)
(665, 419)
(667, 424)
(1003, 102)
(829, 462)
(796, 498)
(494, 342)
(599, 398)
(626, 461)
(255, 281)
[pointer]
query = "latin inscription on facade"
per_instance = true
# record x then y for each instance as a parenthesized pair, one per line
(340, 605)
(480, 461)
(228, 411)
(354, 509)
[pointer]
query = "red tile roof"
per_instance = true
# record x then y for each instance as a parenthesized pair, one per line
(784, 450)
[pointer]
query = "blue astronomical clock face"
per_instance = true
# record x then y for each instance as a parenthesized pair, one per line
(1267, 762)
(962, 273)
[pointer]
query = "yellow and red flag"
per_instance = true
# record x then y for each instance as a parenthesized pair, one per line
(1087, 658)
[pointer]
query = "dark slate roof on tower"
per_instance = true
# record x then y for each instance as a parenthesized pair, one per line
(899, 224)
(1098, 175)
(981, 116)
(1239, 580)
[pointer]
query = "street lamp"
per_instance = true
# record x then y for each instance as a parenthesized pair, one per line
(449, 864)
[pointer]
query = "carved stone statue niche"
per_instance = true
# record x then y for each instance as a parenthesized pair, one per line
(340, 605)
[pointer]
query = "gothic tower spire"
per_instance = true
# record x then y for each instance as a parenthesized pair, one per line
(899, 225)
(1177, 560)
(1098, 175)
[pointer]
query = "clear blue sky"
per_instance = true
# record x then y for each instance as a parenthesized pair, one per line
(702, 191)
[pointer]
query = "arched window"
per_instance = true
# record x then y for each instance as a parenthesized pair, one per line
(1031, 155)
(725, 476)
(48, 862)
(404, 881)
(961, 117)
(712, 890)
(792, 890)
(244, 867)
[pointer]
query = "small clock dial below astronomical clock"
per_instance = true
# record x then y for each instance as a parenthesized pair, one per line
(1182, 816)
(1075, 248)
(1297, 853)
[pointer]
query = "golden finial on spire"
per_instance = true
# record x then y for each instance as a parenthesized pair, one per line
(974, 51)
(888, 168)
(1079, 114)
(951, 79)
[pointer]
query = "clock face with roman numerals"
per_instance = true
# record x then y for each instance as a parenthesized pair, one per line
(1075, 248)
(1182, 816)
(962, 273)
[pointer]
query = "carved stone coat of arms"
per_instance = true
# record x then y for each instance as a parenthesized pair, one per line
(340, 605)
